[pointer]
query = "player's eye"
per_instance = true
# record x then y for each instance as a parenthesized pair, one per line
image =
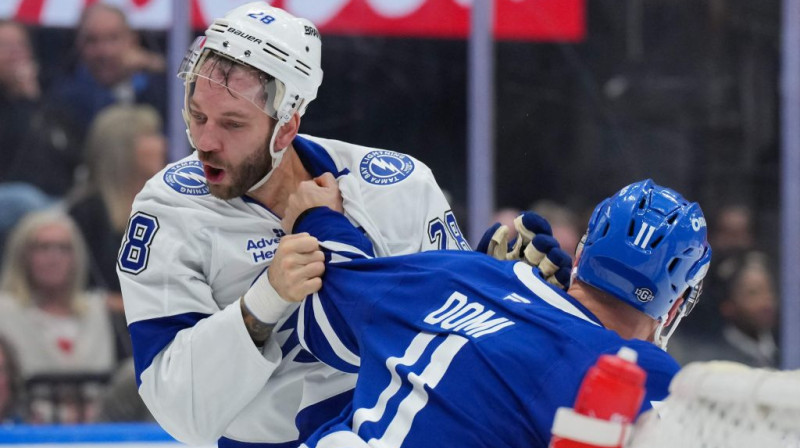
(198, 117)
(234, 125)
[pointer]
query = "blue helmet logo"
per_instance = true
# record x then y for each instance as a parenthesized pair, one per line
(187, 178)
(646, 245)
(385, 167)
(644, 295)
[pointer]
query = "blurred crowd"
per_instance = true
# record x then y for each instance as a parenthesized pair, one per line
(77, 151)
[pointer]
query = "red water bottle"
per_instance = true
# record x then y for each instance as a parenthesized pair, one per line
(608, 401)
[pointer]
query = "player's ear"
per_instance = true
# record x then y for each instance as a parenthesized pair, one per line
(288, 132)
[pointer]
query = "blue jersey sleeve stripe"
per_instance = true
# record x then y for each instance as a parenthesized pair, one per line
(525, 274)
(338, 258)
(150, 336)
(337, 345)
(328, 225)
(324, 345)
(345, 250)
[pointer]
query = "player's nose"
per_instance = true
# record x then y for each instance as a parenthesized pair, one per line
(206, 139)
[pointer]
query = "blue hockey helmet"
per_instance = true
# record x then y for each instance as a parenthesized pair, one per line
(647, 246)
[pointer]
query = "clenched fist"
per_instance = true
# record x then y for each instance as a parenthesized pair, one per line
(297, 268)
(322, 191)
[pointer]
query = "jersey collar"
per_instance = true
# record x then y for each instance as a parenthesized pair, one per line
(315, 158)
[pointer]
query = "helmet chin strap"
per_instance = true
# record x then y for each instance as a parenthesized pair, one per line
(276, 156)
(661, 340)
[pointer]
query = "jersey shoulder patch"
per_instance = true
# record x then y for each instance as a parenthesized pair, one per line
(187, 178)
(382, 167)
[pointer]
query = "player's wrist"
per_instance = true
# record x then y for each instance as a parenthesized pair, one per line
(264, 302)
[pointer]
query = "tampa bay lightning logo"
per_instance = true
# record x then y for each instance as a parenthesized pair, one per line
(385, 167)
(187, 178)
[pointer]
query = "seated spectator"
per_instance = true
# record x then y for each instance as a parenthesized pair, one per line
(112, 68)
(731, 233)
(37, 141)
(732, 229)
(744, 294)
(17, 199)
(54, 324)
(124, 149)
(12, 392)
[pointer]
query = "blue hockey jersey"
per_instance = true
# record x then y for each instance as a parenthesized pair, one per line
(452, 348)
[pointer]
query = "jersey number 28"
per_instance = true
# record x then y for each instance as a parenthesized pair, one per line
(439, 230)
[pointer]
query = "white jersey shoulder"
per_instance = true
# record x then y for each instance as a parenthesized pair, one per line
(395, 198)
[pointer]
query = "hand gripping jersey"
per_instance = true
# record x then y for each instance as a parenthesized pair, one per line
(186, 259)
(451, 348)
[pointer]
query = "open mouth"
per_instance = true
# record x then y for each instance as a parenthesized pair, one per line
(213, 175)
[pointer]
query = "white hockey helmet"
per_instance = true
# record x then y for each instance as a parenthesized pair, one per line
(272, 41)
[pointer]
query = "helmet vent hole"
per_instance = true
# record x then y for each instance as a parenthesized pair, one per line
(605, 228)
(642, 203)
(688, 251)
(307, 49)
(672, 265)
(672, 218)
(655, 242)
(303, 68)
(674, 289)
(276, 52)
(631, 227)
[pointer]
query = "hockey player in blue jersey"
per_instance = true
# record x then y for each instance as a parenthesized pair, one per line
(460, 349)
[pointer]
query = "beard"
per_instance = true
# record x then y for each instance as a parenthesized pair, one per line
(243, 176)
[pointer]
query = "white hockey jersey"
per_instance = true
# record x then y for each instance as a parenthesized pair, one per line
(186, 259)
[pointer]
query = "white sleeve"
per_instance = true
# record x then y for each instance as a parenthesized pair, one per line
(196, 365)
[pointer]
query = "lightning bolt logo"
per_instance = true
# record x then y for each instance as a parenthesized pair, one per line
(191, 177)
(381, 167)
(187, 178)
(384, 165)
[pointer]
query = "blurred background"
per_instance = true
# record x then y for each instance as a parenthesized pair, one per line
(531, 104)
